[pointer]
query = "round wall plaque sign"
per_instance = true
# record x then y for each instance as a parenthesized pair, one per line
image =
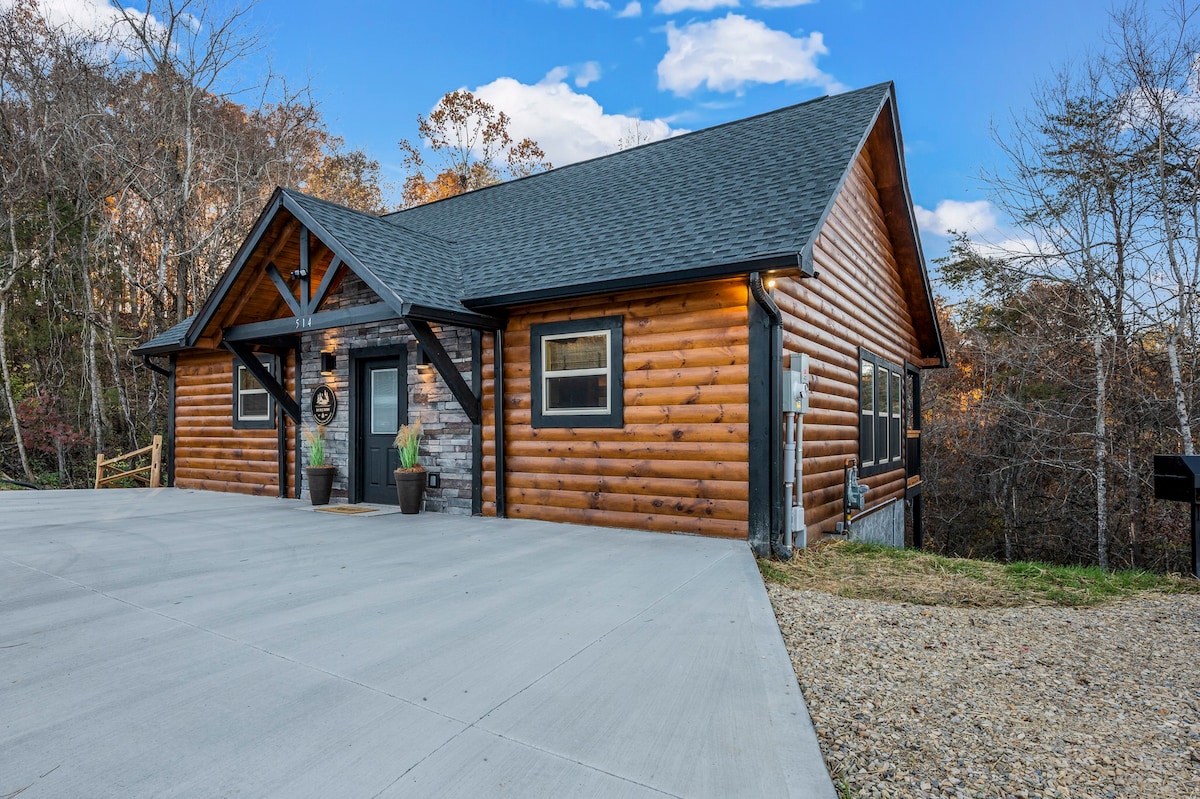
(324, 405)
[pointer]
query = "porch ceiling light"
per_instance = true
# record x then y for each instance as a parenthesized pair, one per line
(328, 363)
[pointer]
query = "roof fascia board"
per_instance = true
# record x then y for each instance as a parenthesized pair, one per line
(471, 321)
(235, 269)
(914, 231)
(888, 103)
(159, 349)
(789, 261)
(348, 258)
(837, 189)
(397, 303)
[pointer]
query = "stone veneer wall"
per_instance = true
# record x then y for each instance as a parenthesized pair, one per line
(446, 448)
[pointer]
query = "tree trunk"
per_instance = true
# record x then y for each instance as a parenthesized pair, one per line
(1181, 405)
(1101, 434)
(8, 392)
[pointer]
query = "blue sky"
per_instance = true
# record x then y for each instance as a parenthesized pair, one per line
(578, 75)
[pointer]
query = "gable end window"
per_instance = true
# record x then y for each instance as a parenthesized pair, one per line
(253, 407)
(577, 373)
(880, 406)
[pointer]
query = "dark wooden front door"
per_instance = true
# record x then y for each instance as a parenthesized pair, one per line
(382, 406)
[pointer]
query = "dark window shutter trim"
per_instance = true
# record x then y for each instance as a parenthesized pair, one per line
(615, 418)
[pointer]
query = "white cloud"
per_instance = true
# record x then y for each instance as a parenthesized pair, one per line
(675, 6)
(588, 73)
(595, 5)
(569, 126)
(633, 9)
(726, 54)
(782, 3)
(954, 216)
(1018, 248)
(93, 17)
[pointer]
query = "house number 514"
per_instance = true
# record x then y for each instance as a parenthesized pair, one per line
(303, 322)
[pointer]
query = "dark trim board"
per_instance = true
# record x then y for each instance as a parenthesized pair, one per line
(292, 325)
(477, 427)
(171, 424)
(761, 505)
(277, 392)
(498, 404)
(297, 431)
(445, 367)
(786, 262)
(615, 417)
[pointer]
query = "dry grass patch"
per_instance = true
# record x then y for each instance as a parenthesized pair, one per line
(863, 571)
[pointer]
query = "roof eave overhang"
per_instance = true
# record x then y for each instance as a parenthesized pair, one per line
(159, 349)
(789, 262)
(452, 316)
(217, 295)
(933, 347)
(282, 199)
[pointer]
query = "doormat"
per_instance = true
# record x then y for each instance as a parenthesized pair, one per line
(346, 509)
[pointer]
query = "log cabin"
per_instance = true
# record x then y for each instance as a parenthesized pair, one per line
(624, 341)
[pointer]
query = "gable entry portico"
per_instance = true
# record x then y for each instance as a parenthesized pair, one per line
(278, 290)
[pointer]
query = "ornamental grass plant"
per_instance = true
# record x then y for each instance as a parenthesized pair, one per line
(408, 444)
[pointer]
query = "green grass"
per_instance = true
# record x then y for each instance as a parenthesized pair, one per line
(903, 575)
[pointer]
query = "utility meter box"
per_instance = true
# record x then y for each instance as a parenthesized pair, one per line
(795, 385)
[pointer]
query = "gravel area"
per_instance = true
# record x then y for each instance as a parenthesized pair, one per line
(914, 701)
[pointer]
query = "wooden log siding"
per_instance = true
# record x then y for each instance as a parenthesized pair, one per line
(857, 300)
(211, 455)
(680, 463)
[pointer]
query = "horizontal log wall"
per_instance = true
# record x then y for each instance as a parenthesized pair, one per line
(857, 300)
(680, 463)
(209, 453)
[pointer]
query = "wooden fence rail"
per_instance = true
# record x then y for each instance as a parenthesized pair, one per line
(150, 474)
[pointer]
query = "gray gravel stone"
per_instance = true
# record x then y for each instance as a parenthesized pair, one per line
(913, 701)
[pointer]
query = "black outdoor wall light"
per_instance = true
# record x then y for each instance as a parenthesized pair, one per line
(328, 363)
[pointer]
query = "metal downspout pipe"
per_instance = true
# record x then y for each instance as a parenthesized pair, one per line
(778, 516)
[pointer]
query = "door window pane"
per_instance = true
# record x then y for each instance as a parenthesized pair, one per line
(385, 402)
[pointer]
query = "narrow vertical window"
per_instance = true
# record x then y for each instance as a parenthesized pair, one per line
(866, 428)
(895, 430)
(881, 406)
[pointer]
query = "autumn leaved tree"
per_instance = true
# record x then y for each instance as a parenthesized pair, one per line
(471, 148)
(1082, 328)
(133, 161)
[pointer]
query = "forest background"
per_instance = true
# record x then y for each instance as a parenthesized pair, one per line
(131, 168)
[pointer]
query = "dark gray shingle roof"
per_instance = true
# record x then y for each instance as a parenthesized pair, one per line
(715, 201)
(419, 268)
(169, 340)
(730, 194)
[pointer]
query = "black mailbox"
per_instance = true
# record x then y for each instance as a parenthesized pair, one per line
(1177, 478)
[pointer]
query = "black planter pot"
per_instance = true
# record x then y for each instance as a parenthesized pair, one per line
(410, 487)
(320, 483)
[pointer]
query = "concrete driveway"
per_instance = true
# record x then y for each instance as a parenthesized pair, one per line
(180, 643)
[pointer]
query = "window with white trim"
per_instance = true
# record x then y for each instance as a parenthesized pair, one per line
(880, 405)
(253, 407)
(576, 373)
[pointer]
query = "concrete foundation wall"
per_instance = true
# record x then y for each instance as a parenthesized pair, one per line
(883, 526)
